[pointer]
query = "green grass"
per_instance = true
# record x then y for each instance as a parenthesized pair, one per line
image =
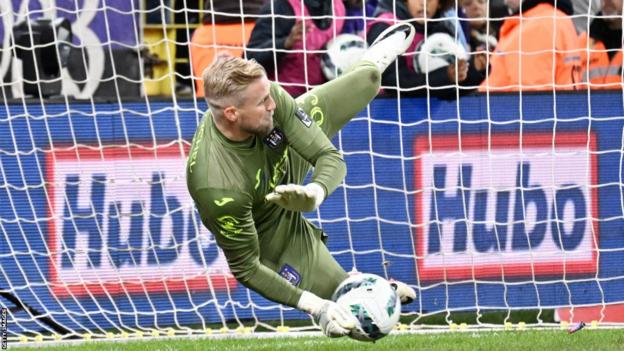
(583, 340)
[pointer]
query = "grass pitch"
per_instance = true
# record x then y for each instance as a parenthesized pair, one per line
(586, 339)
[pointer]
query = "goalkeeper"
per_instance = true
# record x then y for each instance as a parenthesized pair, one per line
(248, 159)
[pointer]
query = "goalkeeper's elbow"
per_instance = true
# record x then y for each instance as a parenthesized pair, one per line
(244, 275)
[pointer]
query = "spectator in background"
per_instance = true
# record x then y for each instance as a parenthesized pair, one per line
(225, 27)
(481, 35)
(426, 16)
(222, 11)
(497, 12)
(584, 11)
(454, 13)
(357, 13)
(603, 69)
(482, 39)
(538, 48)
(277, 41)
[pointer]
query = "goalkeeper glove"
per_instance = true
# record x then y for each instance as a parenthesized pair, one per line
(405, 293)
(334, 320)
(295, 197)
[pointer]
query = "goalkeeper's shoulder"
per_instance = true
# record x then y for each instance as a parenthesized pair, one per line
(216, 167)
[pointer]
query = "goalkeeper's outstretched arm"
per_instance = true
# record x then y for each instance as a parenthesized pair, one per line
(234, 229)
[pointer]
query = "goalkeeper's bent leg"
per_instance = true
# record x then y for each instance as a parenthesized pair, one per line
(336, 102)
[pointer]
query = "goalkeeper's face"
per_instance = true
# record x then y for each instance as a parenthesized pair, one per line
(256, 109)
(422, 10)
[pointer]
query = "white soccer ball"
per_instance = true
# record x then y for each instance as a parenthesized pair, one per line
(373, 301)
(342, 52)
(438, 50)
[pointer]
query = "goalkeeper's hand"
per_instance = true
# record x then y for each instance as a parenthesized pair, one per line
(334, 320)
(405, 292)
(295, 197)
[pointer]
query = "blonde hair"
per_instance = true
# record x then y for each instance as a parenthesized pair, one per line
(227, 77)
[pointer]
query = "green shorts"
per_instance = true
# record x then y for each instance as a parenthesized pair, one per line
(308, 264)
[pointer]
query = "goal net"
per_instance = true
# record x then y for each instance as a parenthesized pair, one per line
(491, 202)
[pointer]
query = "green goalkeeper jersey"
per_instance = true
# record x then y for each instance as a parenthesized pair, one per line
(229, 181)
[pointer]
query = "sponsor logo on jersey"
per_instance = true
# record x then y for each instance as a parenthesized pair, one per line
(223, 201)
(229, 225)
(492, 208)
(123, 222)
(279, 170)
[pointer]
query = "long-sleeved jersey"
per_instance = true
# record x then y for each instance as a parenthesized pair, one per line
(229, 181)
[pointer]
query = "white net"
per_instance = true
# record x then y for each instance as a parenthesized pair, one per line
(494, 202)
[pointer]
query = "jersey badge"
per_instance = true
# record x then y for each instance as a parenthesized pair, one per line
(303, 117)
(290, 274)
(274, 139)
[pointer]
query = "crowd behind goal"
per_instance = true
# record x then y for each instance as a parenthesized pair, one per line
(511, 45)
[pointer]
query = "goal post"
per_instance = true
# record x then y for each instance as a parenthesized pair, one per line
(497, 212)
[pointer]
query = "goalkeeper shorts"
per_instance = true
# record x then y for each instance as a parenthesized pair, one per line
(308, 264)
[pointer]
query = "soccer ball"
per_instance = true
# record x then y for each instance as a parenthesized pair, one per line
(373, 301)
(438, 50)
(342, 52)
